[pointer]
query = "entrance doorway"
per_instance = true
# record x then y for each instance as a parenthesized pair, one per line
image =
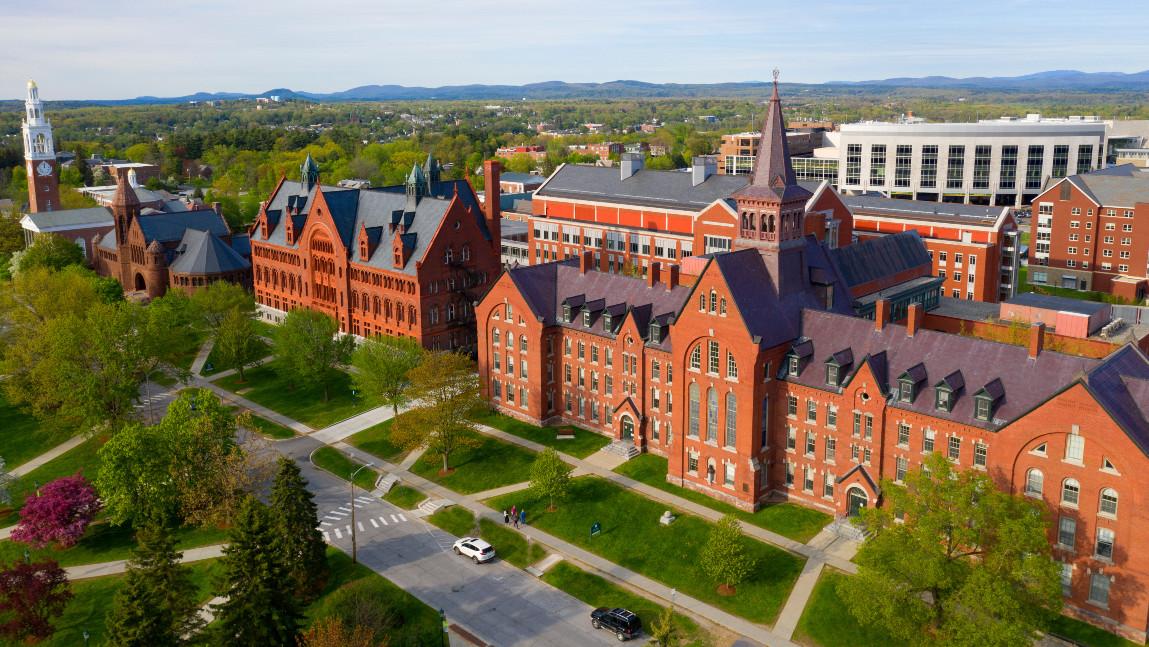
(856, 499)
(140, 285)
(627, 424)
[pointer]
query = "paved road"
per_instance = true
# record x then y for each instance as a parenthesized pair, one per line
(501, 604)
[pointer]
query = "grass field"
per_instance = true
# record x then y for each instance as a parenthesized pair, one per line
(377, 442)
(1086, 633)
(213, 360)
(21, 436)
(786, 519)
(491, 463)
(404, 497)
(510, 545)
(582, 445)
(107, 543)
(456, 520)
(597, 592)
(632, 537)
(827, 623)
(303, 402)
(272, 430)
(341, 465)
(80, 459)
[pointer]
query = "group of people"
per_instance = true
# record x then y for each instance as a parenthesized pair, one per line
(516, 516)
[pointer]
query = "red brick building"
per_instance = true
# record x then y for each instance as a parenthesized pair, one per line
(405, 260)
(975, 249)
(1091, 232)
(758, 383)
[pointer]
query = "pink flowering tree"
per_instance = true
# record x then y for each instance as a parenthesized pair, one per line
(59, 514)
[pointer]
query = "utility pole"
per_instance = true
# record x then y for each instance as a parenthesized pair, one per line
(354, 542)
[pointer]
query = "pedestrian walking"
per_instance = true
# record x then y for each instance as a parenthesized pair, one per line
(506, 517)
(523, 516)
(515, 520)
(514, 512)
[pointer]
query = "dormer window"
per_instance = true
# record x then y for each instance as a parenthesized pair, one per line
(906, 391)
(586, 318)
(832, 374)
(792, 365)
(983, 407)
(606, 322)
(986, 399)
(655, 332)
(566, 313)
(944, 399)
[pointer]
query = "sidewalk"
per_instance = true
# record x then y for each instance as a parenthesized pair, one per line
(257, 409)
(55, 452)
(354, 425)
(86, 571)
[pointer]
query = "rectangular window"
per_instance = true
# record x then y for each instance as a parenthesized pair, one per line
(811, 444)
(955, 167)
(609, 385)
(828, 486)
(928, 441)
(808, 479)
(655, 369)
(792, 406)
(1104, 547)
(1060, 160)
(981, 159)
(869, 427)
(712, 355)
(1066, 532)
(1084, 158)
(853, 164)
(903, 159)
(929, 172)
(857, 424)
(878, 164)
(980, 453)
(831, 448)
(1008, 174)
(593, 352)
(692, 463)
(811, 411)
(1066, 579)
(954, 448)
(1035, 158)
(1099, 589)
(866, 455)
(711, 415)
(789, 474)
(1075, 448)
(901, 466)
(729, 474)
(791, 438)
(903, 435)
(831, 416)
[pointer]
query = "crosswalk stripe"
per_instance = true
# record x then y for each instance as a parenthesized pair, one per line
(325, 523)
(347, 529)
(327, 537)
(344, 508)
(374, 524)
(360, 524)
(394, 518)
(363, 499)
(359, 505)
(401, 517)
(331, 517)
(336, 515)
(338, 535)
(383, 520)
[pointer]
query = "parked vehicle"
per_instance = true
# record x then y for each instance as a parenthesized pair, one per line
(475, 548)
(624, 624)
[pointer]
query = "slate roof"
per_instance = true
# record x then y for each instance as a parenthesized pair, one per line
(966, 214)
(1061, 304)
(879, 258)
(201, 252)
(968, 363)
(773, 177)
(170, 227)
(1113, 189)
(663, 189)
(93, 216)
(352, 209)
(1121, 385)
(525, 178)
(545, 287)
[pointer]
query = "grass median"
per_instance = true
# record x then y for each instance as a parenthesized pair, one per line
(456, 520)
(404, 497)
(582, 444)
(23, 438)
(299, 402)
(632, 537)
(341, 465)
(511, 546)
(491, 463)
(827, 623)
(789, 520)
(376, 441)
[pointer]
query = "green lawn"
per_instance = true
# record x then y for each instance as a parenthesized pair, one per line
(21, 438)
(82, 459)
(106, 543)
(490, 464)
(597, 592)
(413, 623)
(272, 430)
(632, 537)
(1086, 633)
(377, 442)
(404, 497)
(93, 600)
(455, 519)
(789, 520)
(826, 622)
(264, 329)
(304, 402)
(341, 465)
(582, 445)
(216, 365)
(510, 545)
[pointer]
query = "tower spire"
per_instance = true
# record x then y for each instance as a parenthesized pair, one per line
(772, 167)
(39, 154)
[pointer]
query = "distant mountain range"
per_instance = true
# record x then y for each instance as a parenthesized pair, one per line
(1055, 80)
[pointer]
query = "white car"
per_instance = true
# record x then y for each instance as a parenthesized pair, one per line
(475, 548)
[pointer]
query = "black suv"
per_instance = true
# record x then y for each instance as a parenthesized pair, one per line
(623, 623)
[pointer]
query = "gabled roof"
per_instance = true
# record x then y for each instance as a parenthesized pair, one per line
(170, 227)
(663, 189)
(965, 214)
(201, 252)
(1121, 384)
(1025, 382)
(46, 221)
(1111, 188)
(881, 258)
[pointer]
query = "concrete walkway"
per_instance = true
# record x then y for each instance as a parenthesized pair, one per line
(799, 597)
(257, 409)
(86, 571)
(201, 357)
(500, 491)
(353, 425)
(55, 452)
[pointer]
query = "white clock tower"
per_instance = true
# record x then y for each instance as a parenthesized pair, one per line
(39, 155)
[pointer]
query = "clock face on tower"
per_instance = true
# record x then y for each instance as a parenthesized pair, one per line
(44, 169)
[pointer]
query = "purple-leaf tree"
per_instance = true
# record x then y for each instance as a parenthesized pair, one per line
(59, 515)
(31, 595)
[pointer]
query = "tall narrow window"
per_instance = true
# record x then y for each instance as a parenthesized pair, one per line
(1066, 532)
(693, 411)
(1075, 448)
(711, 415)
(1099, 589)
(712, 357)
(1034, 482)
(731, 419)
(1108, 505)
(1104, 547)
(1070, 492)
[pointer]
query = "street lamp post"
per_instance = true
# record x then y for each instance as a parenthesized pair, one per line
(354, 544)
(86, 637)
(446, 627)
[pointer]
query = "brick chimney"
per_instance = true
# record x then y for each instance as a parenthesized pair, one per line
(492, 212)
(1036, 340)
(914, 319)
(671, 277)
(881, 313)
(652, 275)
(585, 262)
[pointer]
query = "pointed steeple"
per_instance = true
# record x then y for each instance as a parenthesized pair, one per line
(432, 170)
(125, 207)
(309, 173)
(773, 172)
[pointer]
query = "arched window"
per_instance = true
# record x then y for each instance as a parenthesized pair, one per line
(510, 340)
(731, 419)
(387, 308)
(713, 301)
(722, 306)
(411, 315)
(1108, 502)
(711, 415)
(523, 343)
(495, 337)
(398, 311)
(1034, 482)
(1070, 492)
(696, 357)
(376, 306)
(692, 412)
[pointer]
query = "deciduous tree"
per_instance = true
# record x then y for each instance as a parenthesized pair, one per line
(215, 301)
(330, 632)
(383, 364)
(968, 565)
(308, 348)
(550, 477)
(157, 605)
(31, 595)
(297, 523)
(237, 342)
(725, 559)
(59, 514)
(259, 610)
(51, 251)
(447, 392)
(664, 631)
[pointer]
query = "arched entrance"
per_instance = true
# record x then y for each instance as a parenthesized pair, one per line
(626, 424)
(856, 499)
(141, 286)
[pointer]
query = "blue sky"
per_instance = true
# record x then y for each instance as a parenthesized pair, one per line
(119, 49)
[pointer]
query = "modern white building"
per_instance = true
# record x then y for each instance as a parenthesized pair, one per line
(1001, 162)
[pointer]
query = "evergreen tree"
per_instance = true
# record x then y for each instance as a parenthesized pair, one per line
(156, 606)
(259, 611)
(303, 549)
